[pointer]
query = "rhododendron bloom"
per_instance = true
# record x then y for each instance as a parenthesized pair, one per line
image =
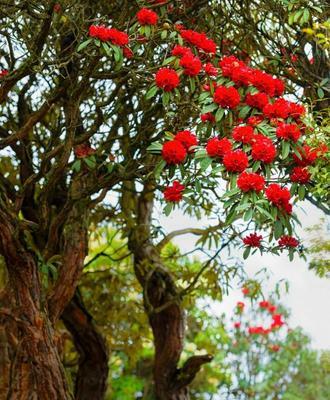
(218, 147)
(263, 82)
(226, 97)
(257, 100)
(180, 51)
(241, 75)
(243, 134)
(210, 69)
(200, 40)
(264, 304)
(228, 63)
(253, 240)
(173, 152)
(108, 34)
(174, 193)
(240, 305)
(4, 73)
(279, 109)
(208, 117)
(295, 110)
(257, 330)
(255, 120)
(192, 65)
(83, 150)
(288, 132)
(277, 195)
(245, 291)
(250, 181)
(308, 156)
(235, 161)
(279, 87)
(263, 149)
(187, 138)
(288, 241)
(147, 17)
(167, 79)
(277, 321)
(300, 175)
(237, 325)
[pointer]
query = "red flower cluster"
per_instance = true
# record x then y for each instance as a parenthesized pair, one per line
(300, 175)
(279, 196)
(167, 79)
(235, 161)
(243, 134)
(257, 100)
(208, 117)
(308, 156)
(174, 193)
(192, 65)
(226, 97)
(245, 291)
(4, 73)
(264, 304)
(128, 53)
(266, 83)
(288, 132)
(180, 51)
(187, 138)
(255, 120)
(237, 325)
(288, 241)
(253, 240)
(210, 69)
(147, 17)
(200, 40)
(218, 147)
(263, 149)
(108, 35)
(240, 306)
(258, 330)
(279, 109)
(250, 181)
(83, 150)
(173, 152)
(277, 321)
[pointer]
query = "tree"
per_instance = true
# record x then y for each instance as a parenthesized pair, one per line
(72, 85)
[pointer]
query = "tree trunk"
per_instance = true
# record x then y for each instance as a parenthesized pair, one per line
(30, 366)
(93, 356)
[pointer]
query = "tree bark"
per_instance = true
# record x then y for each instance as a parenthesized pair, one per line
(29, 361)
(93, 356)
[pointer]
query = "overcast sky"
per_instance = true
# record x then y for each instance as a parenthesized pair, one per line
(308, 297)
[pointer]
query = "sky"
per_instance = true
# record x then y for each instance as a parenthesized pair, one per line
(308, 297)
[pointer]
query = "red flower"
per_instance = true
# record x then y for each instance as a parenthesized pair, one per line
(253, 240)
(240, 306)
(258, 330)
(210, 69)
(257, 100)
(4, 73)
(167, 79)
(245, 291)
(288, 241)
(187, 138)
(226, 97)
(272, 308)
(263, 149)
(199, 40)
(263, 82)
(264, 304)
(180, 51)
(243, 134)
(83, 150)
(192, 65)
(109, 34)
(228, 63)
(300, 175)
(208, 117)
(237, 325)
(308, 156)
(277, 195)
(277, 321)
(173, 152)
(279, 109)
(250, 181)
(288, 132)
(235, 161)
(174, 193)
(279, 87)
(147, 17)
(218, 147)
(241, 75)
(128, 53)
(255, 120)
(275, 348)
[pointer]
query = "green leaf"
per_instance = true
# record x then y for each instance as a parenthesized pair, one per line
(209, 108)
(205, 163)
(219, 114)
(166, 98)
(155, 148)
(90, 162)
(246, 252)
(76, 165)
(248, 214)
(107, 49)
(159, 168)
(244, 111)
(84, 45)
(169, 60)
(168, 208)
(301, 192)
(278, 229)
(285, 149)
(320, 93)
(151, 92)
